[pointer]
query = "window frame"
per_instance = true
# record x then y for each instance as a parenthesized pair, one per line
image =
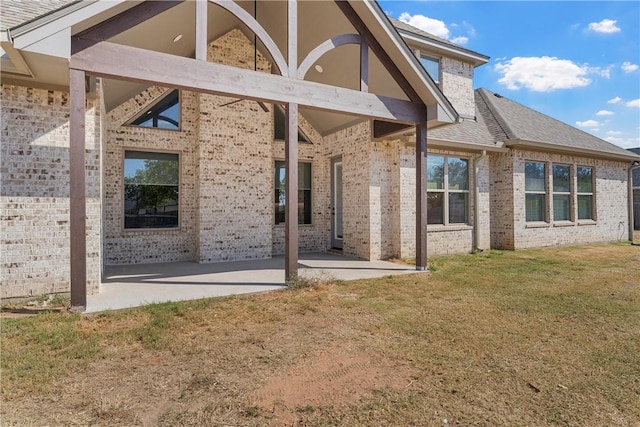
(278, 110)
(591, 194)
(437, 60)
(446, 191)
(544, 193)
(310, 190)
(555, 193)
(123, 197)
(153, 105)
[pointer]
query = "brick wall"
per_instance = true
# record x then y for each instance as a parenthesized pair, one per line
(441, 240)
(354, 146)
(610, 199)
(501, 195)
(147, 246)
(34, 199)
(456, 82)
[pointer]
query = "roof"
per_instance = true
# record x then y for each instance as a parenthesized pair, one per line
(469, 131)
(18, 12)
(519, 125)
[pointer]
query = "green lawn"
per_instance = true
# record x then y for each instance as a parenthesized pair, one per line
(536, 338)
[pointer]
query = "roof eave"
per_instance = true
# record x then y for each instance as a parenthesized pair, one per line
(554, 148)
(475, 58)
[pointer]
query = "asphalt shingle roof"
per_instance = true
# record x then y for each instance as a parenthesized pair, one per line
(17, 12)
(469, 131)
(519, 122)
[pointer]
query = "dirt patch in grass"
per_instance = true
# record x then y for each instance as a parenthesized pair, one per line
(537, 338)
(337, 375)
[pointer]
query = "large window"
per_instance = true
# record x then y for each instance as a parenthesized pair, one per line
(447, 190)
(164, 114)
(535, 191)
(585, 192)
(150, 190)
(432, 65)
(561, 192)
(304, 193)
(279, 125)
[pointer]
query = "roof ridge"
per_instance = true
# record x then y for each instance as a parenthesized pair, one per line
(501, 121)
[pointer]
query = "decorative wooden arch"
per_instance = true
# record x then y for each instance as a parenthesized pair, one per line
(92, 54)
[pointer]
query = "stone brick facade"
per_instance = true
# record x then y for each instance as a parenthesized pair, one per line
(34, 200)
(512, 231)
(456, 82)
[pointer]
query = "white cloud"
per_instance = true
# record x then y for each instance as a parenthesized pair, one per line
(588, 124)
(623, 142)
(614, 100)
(542, 74)
(606, 26)
(460, 40)
(604, 113)
(614, 132)
(634, 103)
(430, 25)
(628, 67)
(438, 27)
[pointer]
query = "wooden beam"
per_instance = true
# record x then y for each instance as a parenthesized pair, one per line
(378, 50)
(291, 153)
(421, 196)
(201, 30)
(325, 47)
(77, 203)
(129, 63)
(364, 66)
(120, 23)
(382, 128)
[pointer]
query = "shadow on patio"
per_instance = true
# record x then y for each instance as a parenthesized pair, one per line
(140, 284)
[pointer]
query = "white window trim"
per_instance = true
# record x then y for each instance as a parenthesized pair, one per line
(569, 193)
(592, 194)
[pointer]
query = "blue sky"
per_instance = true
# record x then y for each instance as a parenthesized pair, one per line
(575, 61)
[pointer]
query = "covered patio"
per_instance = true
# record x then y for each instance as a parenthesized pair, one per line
(136, 285)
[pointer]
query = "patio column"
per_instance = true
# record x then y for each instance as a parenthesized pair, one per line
(421, 196)
(77, 197)
(291, 152)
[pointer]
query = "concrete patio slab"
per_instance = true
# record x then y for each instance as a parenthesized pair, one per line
(141, 284)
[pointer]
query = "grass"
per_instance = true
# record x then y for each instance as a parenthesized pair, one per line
(540, 337)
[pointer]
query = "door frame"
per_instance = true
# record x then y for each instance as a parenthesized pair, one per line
(336, 241)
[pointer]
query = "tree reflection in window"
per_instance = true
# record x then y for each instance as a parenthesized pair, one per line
(150, 190)
(164, 114)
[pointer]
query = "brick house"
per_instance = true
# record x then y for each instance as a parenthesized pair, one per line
(119, 147)
(635, 185)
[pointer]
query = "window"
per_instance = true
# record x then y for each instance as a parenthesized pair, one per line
(561, 193)
(304, 193)
(432, 66)
(585, 192)
(447, 190)
(278, 123)
(150, 190)
(535, 191)
(164, 114)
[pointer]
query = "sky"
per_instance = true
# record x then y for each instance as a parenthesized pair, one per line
(576, 61)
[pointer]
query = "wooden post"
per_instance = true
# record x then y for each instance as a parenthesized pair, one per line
(421, 196)
(364, 65)
(78, 207)
(201, 29)
(291, 152)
